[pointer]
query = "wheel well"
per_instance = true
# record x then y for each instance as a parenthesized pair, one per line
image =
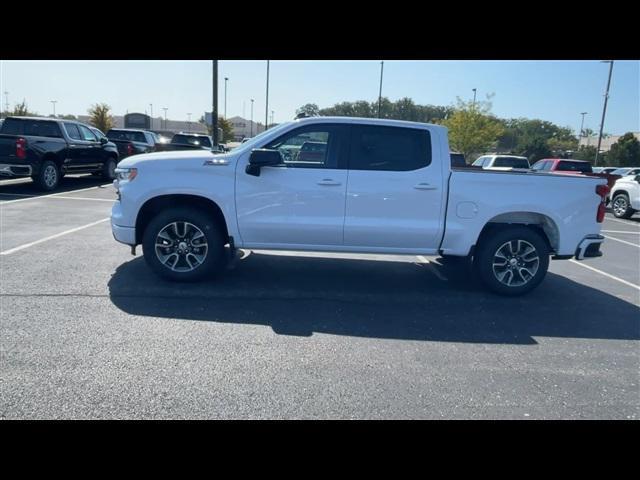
(542, 224)
(617, 192)
(53, 157)
(155, 205)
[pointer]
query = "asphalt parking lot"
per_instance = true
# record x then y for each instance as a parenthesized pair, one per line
(89, 332)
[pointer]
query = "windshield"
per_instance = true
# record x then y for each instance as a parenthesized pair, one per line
(251, 143)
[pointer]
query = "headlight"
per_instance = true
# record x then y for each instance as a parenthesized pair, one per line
(126, 174)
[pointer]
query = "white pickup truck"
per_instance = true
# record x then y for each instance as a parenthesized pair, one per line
(337, 184)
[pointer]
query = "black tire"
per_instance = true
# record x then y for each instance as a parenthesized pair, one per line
(48, 178)
(108, 169)
(526, 274)
(213, 259)
(621, 206)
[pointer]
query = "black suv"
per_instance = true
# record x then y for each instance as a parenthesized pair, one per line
(46, 149)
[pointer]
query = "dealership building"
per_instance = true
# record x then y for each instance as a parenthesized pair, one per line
(605, 146)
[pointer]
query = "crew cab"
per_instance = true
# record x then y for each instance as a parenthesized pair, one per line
(381, 186)
(132, 142)
(46, 149)
(502, 162)
(625, 196)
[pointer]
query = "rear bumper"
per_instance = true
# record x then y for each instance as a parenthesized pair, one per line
(589, 247)
(13, 170)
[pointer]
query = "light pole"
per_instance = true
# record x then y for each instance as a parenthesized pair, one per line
(165, 117)
(266, 108)
(604, 110)
(189, 122)
(474, 97)
(214, 110)
(53, 102)
(251, 122)
(380, 92)
(581, 127)
(226, 79)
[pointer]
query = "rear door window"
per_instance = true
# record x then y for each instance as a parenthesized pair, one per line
(73, 131)
(389, 148)
(87, 134)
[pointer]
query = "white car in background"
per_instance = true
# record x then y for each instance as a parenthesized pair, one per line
(501, 162)
(623, 172)
(625, 196)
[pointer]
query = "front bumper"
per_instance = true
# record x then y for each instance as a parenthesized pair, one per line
(589, 247)
(12, 170)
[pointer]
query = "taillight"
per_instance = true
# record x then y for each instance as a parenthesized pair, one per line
(129, 149)
(601, 190)
(21, 148)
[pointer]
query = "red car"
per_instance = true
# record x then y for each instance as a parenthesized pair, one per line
(572, 167)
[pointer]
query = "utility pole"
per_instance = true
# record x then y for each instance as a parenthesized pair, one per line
(214, 112)
(266, 108)
(226, 79)
(165, 117)
(251, 122)
(604, 111)
(581, 127)
(474, 97)
(380, 93)
(53, 102)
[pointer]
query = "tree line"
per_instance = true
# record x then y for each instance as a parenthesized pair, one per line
(474, 130)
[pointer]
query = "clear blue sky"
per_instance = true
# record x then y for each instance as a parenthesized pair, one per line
(552, 90)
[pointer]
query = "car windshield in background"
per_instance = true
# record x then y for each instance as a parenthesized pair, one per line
(202, 141)
(513, 162)
(625, 171)
(126, 135)
(584, 167)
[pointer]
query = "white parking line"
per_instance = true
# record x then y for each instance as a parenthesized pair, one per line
(51, 237)
(621, 231)
(425, 261)
(637, 287)
(622, 241)
(50, 195)
(623, 221)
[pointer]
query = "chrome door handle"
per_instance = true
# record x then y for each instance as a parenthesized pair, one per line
(328, 181)
(424, 186)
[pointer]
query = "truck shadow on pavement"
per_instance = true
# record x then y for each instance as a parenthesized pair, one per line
(376, 299)
(16, 190)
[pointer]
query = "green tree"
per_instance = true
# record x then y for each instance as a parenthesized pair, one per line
(100, 117)
(472, 130)
(224, 124)
(625, 152)
(587, 153)
(308, 110)
(22, 110)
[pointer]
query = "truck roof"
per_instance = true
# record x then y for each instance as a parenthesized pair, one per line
(368, 121)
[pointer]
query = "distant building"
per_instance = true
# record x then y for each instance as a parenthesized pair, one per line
(158, 123)
(242, 128)
(605, 146)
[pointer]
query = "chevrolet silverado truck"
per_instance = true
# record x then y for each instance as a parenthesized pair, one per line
(46, 149)
(378, 186)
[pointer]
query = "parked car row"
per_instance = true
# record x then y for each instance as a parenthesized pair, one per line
(46, 149)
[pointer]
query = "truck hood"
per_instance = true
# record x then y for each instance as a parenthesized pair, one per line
(186, 156)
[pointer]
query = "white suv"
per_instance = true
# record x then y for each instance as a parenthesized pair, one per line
(625, 196)
(501, 162)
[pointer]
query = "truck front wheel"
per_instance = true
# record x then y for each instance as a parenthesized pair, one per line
(184, 245)
(513, 260)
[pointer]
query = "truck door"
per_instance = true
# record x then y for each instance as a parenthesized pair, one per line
(300, 203)
(78, 149)
(395, 196)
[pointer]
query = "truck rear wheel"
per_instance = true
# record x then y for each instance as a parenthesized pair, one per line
(48, 177)
(184, 245)
(512, 261)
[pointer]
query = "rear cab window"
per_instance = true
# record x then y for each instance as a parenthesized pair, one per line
(513, 162)
(34, 128)
(583, 167)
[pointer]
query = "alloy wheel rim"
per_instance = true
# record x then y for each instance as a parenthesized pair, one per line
(515, 263)
(50, 176)
(181, 247)
(620, 206)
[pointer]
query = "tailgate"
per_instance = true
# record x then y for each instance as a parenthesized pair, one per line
(8, 146)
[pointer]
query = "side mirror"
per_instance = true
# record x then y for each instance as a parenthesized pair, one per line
(262, 157)
(104, 140)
